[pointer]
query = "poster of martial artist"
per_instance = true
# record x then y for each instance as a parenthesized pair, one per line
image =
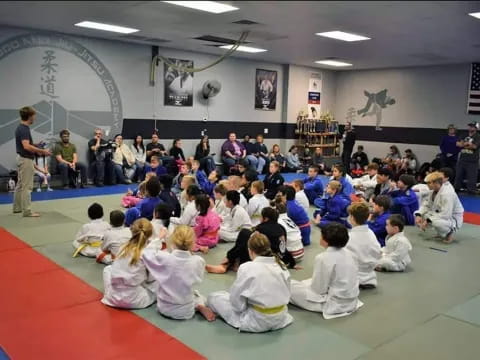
(265, 90)
(314, 95)
(375, 104)
(178, 83)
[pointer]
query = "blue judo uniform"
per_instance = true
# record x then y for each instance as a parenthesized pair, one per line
(405, 203)
(300, 217)
(377, 225)
(313, 188)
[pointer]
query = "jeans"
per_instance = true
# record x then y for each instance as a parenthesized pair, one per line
(97, 171)
(468, 170)
(229, 162)
(260, 163)
(120, 175)
(139, 171)
(66, 172)
(253, 161)
(207, 164)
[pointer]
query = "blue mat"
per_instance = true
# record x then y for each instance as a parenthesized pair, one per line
(470, 203)
(3, 354)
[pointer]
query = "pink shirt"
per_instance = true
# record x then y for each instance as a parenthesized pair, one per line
(206, 229)
(238, 151)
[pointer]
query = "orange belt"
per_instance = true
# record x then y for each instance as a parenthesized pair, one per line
(102, 255)
(211, 233)
(304, 225)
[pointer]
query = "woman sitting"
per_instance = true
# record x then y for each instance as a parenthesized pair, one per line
(293, 163)
(276, 155)
(202, 154)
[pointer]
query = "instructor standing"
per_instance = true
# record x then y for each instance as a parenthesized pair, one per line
(348, 140)
(25, 154)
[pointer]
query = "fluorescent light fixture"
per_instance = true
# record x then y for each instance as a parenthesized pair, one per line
(340, 35)
(333, 63)
(106, 27)
(475, 15)
(210, 6)
(247, 49)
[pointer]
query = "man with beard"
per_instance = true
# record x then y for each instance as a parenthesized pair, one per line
(67, 161)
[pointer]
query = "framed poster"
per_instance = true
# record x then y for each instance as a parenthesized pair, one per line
(178, 85)
(265, 89)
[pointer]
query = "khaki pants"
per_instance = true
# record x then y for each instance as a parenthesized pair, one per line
(22, 197)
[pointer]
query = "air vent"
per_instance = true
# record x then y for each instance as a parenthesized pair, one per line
(217, 39)
(157, 40)
(144, 39)
(245, 22)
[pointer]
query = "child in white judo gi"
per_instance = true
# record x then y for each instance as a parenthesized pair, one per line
(176, 274)
(126, 282)
(441, 210)
(333, 289)
(300, 195)
(88, 239)
(363, 244)
(235, 183)
(161, 221)
(258, 298)
(219, 193)
(236, 220)
(114, 238)
(395, 254)
(257, 202)
(189, 213)
(294, 236)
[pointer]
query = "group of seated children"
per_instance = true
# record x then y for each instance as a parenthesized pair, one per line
(150, 247)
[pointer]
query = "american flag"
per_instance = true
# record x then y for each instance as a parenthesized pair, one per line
(474, 91)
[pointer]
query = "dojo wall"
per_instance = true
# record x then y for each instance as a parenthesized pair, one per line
(427, 100)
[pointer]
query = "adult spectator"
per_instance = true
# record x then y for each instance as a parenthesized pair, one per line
(232, 150)
(176, 152)
(449, 149)
(260, 151)
(293, 163)
(123, 161)
(467, 166)
(317, 159)
(202, 154)
(98, 159)
(250, 149)
(393, 159)
(276, 155)
(25, 153)
(67, 161)
(157, 149)
(359, 159)
(138, 150)
(409, 163)
(348, 139)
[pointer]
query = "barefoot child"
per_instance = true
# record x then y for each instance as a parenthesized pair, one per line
(313, 184)
(300, 195)
(378, 219)
(189, 212)
(296, 213)
(160, 223)
(294, 236)
(207, 225)
(132, 198)
(404, 200)
(176, 274)
(89, 238)
(335, 209)
(258, 298)
(257, 202)
(126, 282)
(364, 245)
(219, 205)
(333, 288)
(114, 238)
(236, 220)
(395, 254)
(273, 180)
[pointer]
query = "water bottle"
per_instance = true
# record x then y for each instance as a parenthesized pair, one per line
(11, 185)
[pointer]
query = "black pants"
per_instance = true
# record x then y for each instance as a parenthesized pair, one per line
(469, 171)
(68, 173)
(240, 250)
(101, 171)
(346, 155)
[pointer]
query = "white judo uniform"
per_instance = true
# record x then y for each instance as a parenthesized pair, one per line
(243, 201)
(422, 191)
(294, 237)
(236, 220)
(302, 199)
(220, 208)
(366, 184)
(333, 288)
(443, 209)
(176, 274)
(366, 251)
(112, 242)
(395, 254)
(89, 238)
(128, 286)
(188, 216)
(258, 298)
(255, 206)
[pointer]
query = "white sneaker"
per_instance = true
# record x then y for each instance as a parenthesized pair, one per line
(39, 189)
(49, 189)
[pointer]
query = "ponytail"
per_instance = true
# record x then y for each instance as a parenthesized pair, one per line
(141, 231)
(260, 245)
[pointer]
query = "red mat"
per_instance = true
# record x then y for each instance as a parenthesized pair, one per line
(471, 218)
(48, 313)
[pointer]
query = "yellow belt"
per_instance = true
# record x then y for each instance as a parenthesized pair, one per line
(83, 246)
(256, 216)
(269, 311)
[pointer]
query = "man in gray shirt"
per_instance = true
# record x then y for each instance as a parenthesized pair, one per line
(25, 154)
(467, 165)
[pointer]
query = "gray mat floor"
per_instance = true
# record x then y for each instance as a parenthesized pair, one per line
(432, 311)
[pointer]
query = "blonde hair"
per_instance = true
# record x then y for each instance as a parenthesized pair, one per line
(225, 183)
(183, 237)
(434, 177)
(235, 182)
(220, 189)
(141, 231)
(190, 179)
(276, 164)
(260, 245)
(335, 185)
(258, 186)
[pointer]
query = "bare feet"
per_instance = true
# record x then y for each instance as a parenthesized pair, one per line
(33, 214)
(203, 249)
(448, 239)
(379, 268)
(216, 269)
(206, 312)
(224, 261)
(298, 267)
